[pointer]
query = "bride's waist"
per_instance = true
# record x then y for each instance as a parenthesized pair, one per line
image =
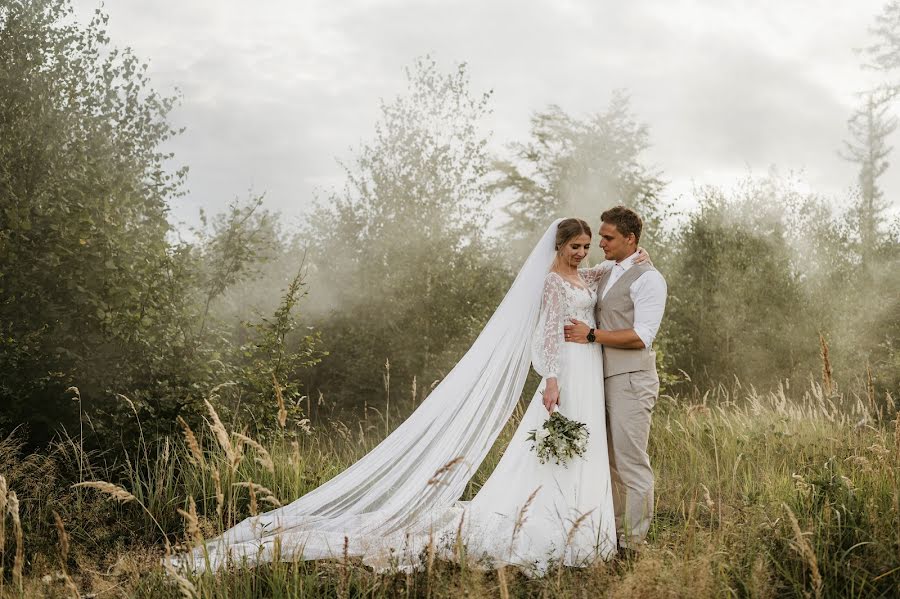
(587, 319)
(579, 359)
(571, 347)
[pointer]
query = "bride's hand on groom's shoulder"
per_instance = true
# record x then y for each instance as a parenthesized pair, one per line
(642, 256)
(576, 331)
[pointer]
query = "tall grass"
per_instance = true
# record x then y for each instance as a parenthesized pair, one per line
(794, 492)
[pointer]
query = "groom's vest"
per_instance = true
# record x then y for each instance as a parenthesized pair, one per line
(615, 312)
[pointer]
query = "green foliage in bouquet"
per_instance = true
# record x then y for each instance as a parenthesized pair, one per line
(560, 439)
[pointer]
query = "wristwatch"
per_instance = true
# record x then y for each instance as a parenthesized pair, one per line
(590, 336)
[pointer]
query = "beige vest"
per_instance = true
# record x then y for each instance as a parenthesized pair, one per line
(615, 312)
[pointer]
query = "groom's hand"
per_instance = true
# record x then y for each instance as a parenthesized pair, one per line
(577, 331)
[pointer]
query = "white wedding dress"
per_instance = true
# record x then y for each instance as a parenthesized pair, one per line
(402, 498)
(571, 517)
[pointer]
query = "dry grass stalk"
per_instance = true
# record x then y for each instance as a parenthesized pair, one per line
(114, 491)
(431, 555)
(70, 586)
(119, 494)
(192, 522)
(238, 450)
(254, 509)
(63, 539)
(573, 530)
(185, 586)
(282, 411)
(387, 393)
(896, 438)
(190, 439)
(129, 402)
(343, 589)
(440, 472)
(522, 516)
(870, 385)
(19, 562)
(263, 458)
(827, 380)
(708, 500)
(276, 549)
(271, 500)
(221, 434)
(3, 501)
(64, 556)
(414, 390)
(459, 538)
(220, 496)
(802, 546)
(575, 526)
(294, 459)
(256, 489)
(501, 579)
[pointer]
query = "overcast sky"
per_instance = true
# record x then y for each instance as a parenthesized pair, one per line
(275, 91)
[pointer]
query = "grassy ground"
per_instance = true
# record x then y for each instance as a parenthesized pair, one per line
(786, 493)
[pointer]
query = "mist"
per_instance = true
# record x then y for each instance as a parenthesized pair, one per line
(240, 245)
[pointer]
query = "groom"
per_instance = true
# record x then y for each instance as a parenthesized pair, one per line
(631, 299)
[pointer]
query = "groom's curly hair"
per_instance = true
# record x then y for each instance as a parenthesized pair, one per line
(626, 221)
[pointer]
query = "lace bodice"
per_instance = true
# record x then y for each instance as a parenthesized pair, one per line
(561, 301)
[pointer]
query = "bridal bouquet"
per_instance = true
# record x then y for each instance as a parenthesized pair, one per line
(559, 439)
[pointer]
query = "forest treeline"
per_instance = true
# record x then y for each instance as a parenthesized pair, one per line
(107, 310)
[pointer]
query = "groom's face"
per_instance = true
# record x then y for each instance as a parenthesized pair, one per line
(615, 246)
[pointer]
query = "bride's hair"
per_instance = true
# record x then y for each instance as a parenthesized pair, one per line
(569, 228)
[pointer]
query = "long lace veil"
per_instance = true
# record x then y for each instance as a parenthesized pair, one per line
(420, 470)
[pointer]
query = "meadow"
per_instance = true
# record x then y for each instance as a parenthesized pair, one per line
(792, 492)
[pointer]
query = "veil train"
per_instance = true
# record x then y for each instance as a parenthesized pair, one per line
(383, 505)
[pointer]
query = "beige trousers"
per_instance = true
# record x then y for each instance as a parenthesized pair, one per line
(630, 398)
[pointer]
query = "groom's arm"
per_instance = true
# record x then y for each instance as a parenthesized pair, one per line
(624, 338)
(648, 293)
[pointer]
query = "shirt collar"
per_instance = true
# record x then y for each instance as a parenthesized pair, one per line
(627, 262)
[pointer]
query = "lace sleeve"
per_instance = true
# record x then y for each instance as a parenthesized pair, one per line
(548, 338)
(592, 275)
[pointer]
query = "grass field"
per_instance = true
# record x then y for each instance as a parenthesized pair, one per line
(794, 492)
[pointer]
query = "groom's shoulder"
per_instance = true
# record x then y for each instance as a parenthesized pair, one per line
(650, 271)
(646, 267)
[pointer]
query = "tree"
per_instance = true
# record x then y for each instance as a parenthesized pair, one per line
(869, 129)
(400, 255)
(93, 293)
(83, 205)
(737, 306)
(884, 54)
(573, 167)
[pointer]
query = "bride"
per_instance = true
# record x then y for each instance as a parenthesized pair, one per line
(402, 498)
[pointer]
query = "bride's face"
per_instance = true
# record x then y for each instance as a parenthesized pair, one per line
(574, 250)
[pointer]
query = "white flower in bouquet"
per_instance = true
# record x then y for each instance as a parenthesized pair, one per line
(559, 439)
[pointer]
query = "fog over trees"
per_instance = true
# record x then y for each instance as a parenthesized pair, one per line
(384, 285)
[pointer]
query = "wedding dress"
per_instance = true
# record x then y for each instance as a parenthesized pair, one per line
(570, 517)
(402, 498)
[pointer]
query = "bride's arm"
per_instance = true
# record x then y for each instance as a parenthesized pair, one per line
(592, 275)
(548, 338)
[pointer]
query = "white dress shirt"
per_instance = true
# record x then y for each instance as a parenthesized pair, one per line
(648, 292)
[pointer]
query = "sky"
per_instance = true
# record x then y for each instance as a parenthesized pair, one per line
(274, 93)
